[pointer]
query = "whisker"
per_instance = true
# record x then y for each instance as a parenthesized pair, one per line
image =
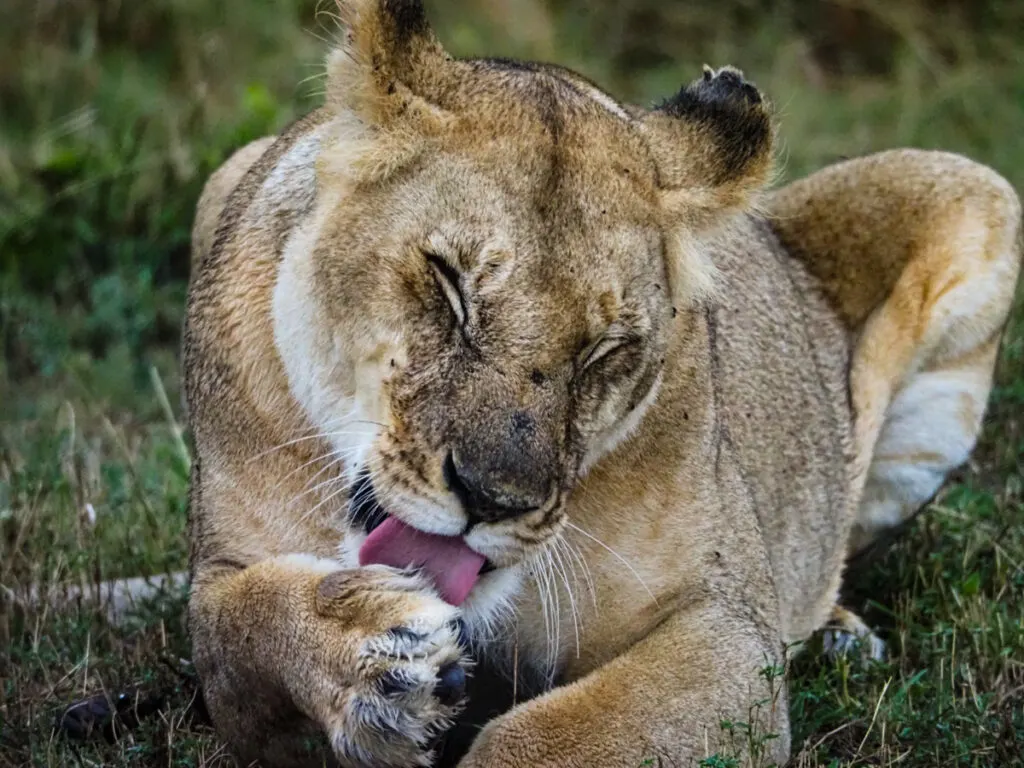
(336, 18)
(306, 438)
(537, 572)
(319, 37)
(308, 514)
(366, 493)
(557, 645)
(301, 467)
(324, 483)
(363, 495)
(314, 76)
(555, 640)
(619, 557)
(368, 421)
(588, 577)
(336, 458)
(560, 565)
(330, 428)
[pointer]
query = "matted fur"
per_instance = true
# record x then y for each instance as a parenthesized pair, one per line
(679, 401)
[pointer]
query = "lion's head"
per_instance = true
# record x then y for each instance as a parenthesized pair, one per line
(492, 272)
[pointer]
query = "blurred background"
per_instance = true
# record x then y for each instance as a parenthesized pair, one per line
(113, 113)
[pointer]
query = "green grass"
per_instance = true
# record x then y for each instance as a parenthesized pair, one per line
(111, 116)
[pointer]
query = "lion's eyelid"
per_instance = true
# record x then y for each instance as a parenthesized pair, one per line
(450, 282)
(604, 347)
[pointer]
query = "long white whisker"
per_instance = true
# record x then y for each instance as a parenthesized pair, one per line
(309, 513)
(588, 577)
(337, 459)
(553, 648)
(383, 491)
(362, 496)
(331, 423)
(564, 553)
(333, 480)
(538, 578)
(373, 487)
(558, 613)
(342, 490)
(307, 438)
(560, 566)
(301, 467)
(619, 557)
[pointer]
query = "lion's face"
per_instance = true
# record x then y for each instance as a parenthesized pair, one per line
(509, 305)
(495, 263)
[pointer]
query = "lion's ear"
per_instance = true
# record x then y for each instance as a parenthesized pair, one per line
(712, 143)
(386, 83)
(389, 65)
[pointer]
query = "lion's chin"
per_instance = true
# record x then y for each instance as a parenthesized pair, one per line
(491, 603)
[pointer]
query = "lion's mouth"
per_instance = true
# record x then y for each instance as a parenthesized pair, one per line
(364, 509)
(448, 561)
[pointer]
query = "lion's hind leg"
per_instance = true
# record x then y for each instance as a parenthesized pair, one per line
(919, 252)
(930, 428)
(923, 365)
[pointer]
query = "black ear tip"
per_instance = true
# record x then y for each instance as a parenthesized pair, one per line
(729, 83)
(408, 16)
(725, 88)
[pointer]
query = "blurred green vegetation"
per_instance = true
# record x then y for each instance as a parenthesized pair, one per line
(113, 113)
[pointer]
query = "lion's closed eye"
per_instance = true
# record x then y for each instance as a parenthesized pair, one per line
(605, 348)
(449, 281)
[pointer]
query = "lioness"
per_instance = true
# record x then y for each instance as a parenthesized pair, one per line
(492, 375)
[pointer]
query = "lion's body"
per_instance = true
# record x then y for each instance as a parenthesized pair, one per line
(837, 372)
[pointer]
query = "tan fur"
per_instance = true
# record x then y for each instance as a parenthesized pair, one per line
(847, 631)
(216, 192)
(686, 404)
(940, 236)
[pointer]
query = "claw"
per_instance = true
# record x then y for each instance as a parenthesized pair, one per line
(406, 634)
(848, 631)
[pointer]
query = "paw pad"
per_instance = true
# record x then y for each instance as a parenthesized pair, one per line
(450, 687)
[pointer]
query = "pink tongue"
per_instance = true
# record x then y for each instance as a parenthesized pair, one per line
(452, 565)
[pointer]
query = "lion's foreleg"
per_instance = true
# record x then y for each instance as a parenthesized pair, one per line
(665, 701)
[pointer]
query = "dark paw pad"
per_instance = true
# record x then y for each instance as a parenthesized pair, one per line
(451, 684)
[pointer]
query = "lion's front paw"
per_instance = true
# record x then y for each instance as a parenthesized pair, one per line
(407, 677)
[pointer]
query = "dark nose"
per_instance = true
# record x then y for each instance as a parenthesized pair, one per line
(485, 497)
